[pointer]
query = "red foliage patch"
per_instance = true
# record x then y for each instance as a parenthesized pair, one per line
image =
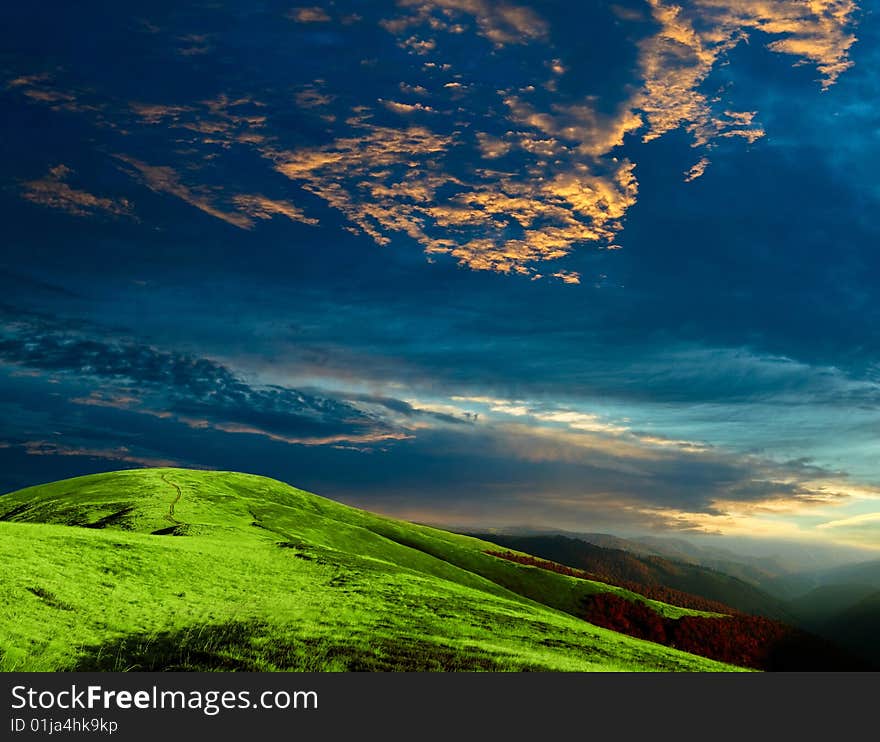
(737, 639)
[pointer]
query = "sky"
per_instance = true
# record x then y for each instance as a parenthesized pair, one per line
(605, 267)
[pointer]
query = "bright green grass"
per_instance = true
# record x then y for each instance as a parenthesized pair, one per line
(244, 572)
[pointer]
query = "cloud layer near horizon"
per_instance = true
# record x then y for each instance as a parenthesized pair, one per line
(519, 460)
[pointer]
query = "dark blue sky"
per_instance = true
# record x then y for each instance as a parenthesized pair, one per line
(470, 262)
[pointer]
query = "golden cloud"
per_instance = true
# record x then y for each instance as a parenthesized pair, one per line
(697, 170)
(691, 40)
(39, 88)
(542, 172)
(492, 147)
(53, 191)
(788, 514)
(313, 14)
(816, 31)
(164, 179)
(502, 23)
(261, 207)
(156, 113)
(574, 190)
(387, 180)
(246, 207)
(405, 109)
(311, 96)
(221, 121)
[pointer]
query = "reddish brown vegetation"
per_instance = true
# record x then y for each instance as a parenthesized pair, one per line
(737, 639)
(747, 641)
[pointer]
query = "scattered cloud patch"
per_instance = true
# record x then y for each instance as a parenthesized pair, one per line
(120, 454)
(501, 23)
(53, 191)
(260, 207)
(501, 179)
(697, 170)
(311, 14)
(164, 179)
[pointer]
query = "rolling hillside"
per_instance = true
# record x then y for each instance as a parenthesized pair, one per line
(841, 604)
(157, 569)
(649, 574)
(856, 628)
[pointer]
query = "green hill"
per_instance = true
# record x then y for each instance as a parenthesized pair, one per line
(156, 569)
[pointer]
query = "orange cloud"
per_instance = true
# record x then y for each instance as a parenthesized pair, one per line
(789, 514)
(406, 108)
(692, 40)
(40, 89)
(53, 191)
(816, 31)
(155, 113)
(220, 120)
(163, 179)
(313, 14)
(386, 180)
(113, 401)
(502, 23)
(696, 170)
(568, 277)
(261, 207)
(557, 180)
(312, 97)
(573, 190)
(590, 132)
(492, 147)
(247, 207)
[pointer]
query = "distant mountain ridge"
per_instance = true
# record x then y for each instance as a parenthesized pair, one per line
(840, 604)
(780, 572)
(617, 565)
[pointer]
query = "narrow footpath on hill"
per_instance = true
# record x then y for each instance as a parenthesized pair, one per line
(170, 514)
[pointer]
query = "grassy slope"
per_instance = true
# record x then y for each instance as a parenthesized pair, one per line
(157, 568)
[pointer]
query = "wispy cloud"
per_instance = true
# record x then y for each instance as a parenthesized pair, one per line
(244, 207)
(856, 520)
(310, 14)
(197, 391)
(164, 179)
(406, 109)
(41, 88)
(261, 207)
(221, 121)
(501, 23)
(515, 457)
(54, 191)
(119, 454)
(194, 45)
(697, 170)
